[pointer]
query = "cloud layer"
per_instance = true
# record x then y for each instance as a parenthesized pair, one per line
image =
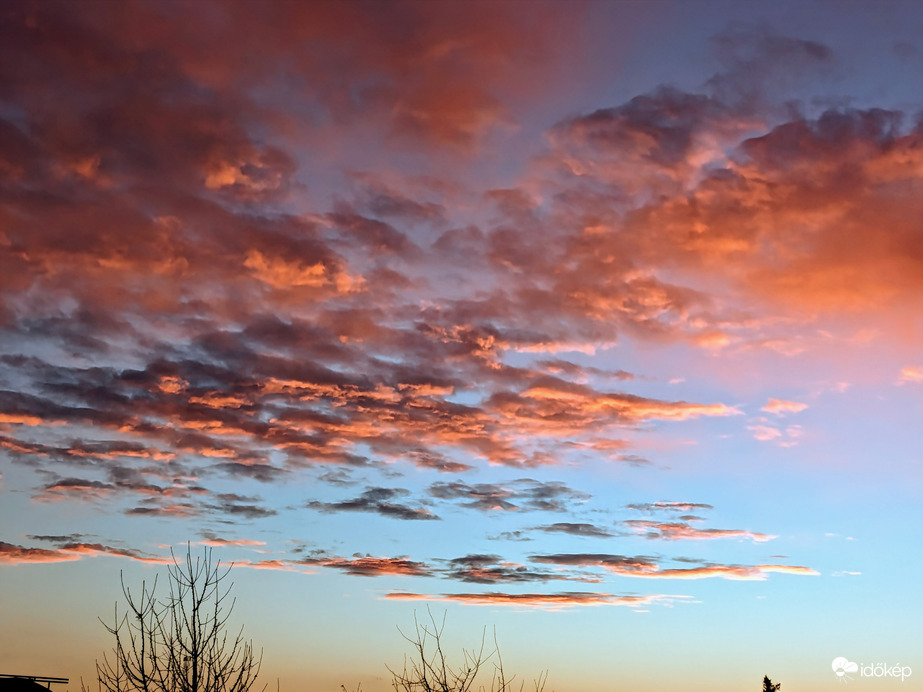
(271, 265)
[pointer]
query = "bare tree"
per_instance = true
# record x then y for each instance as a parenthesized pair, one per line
(426, 670)
(179, 643)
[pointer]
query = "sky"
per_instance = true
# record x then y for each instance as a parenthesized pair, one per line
(596, 325)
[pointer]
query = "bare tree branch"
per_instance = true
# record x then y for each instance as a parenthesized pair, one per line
(426, 670)
(179, 643)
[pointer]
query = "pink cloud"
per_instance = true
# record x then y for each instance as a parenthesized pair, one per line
(764, 433)
(780, 407)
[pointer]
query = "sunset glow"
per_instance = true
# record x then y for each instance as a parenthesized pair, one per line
(509, 310)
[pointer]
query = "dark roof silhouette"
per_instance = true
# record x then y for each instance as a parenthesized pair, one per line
(24, 683)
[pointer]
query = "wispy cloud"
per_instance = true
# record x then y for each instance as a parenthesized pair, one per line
(668, 506)
(272, 564)
(211, 540)
(70, 552)
(544, 601)
(649, 568)
(674, 531)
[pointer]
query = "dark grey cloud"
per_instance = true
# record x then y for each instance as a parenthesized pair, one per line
(386, 202)
(634, 459)
(337, 476)
(68, 538)
(758, 63)
(241, 505)
(378, 501)
(492, 569)
(377, 235)
(261, 472)
(608, 560)
(438, 462)
(519, 536)
(175, 509)
(576, 529)
(369, 566)
(483, 496)
(523, 494)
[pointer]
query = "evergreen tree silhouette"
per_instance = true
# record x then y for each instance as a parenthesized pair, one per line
(768, 685)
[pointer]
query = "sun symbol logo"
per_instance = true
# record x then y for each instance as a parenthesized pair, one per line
(841, 666)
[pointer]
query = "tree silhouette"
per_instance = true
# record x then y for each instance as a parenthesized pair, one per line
(427, 670)
(179, 643)
(768, 685)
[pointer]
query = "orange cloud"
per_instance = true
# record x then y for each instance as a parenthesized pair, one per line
(912, 373)
(69, 552)
(16, 554)
(628, 406)
(96, 549)
(373, 566)
(19, 419)
(286, 274)
(281, 565)
(217, 400)
(776, 211)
